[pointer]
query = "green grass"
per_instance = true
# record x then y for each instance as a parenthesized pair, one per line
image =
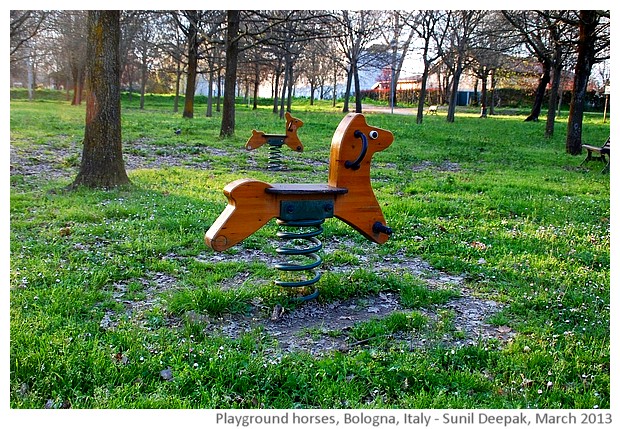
(489, 199)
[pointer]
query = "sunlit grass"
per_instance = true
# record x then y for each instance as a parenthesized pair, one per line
(489, 199)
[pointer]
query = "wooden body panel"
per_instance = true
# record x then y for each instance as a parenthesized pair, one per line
(252, 203)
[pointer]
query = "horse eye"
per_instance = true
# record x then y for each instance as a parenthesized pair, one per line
(373, 134)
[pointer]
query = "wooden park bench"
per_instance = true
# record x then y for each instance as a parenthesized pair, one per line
(598, 153)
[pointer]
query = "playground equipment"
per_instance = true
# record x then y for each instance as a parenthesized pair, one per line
(348, 196)
(276, 141)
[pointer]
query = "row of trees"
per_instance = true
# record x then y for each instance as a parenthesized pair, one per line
(246, 48)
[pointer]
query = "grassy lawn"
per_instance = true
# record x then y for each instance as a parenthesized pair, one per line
(116, 302)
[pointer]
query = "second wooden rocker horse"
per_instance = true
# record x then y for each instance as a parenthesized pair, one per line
(276, 141)
(347, 195)
(290, 137)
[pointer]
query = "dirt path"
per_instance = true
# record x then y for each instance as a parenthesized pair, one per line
(369, 108)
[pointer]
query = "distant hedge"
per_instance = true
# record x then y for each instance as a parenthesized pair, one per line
(39, 94)
(505, 97)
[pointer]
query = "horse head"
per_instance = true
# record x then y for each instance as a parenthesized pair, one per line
(353, 145)
(292, 123)
(292, 140)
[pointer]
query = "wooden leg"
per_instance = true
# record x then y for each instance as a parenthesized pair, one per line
(606, 168)
(588, 158)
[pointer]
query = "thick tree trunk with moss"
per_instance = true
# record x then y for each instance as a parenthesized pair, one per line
(102, 163)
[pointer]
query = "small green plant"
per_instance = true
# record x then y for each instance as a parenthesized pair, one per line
(415, 293)
(380, 328)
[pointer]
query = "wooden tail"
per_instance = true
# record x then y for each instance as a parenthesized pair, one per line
(257, 140)
(249, 208)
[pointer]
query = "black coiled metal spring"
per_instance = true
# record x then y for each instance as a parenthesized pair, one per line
(311, 229)
(275, 157)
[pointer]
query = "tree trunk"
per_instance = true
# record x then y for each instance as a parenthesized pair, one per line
(483, 95)
(209, 112)
(540, 92)
(276, 87)
(454, 93)
(143, 77)
(291, 81)
(422, 99)
(284, 86)
(444, 87)
(347, 92)
(81, 80)
(358, 92)
(246, 95)
(75, 78)
(218, 100)
(553, 100)
(335, 85)
(585, 58)
(393, 98)
(192, 70)
(312, 89)
(177, 87)
(476, 97)
(493, 93)
(67, 91)
(230, 79)
(256, 86)
(30, 66)
(102, 157)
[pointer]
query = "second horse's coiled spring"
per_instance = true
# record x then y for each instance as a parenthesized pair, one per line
(275, 157)
(311, 229)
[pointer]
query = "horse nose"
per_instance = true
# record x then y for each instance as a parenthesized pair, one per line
(373, 134)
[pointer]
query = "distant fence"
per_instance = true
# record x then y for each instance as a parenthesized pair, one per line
(403, 96)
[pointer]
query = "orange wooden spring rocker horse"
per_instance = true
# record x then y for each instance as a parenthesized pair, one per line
(348, 195)
(276, 141)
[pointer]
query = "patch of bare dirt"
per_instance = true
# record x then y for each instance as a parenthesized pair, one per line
(44, 161)
(136, 305)
(62, 161)
(313, 327)
(317, 327)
